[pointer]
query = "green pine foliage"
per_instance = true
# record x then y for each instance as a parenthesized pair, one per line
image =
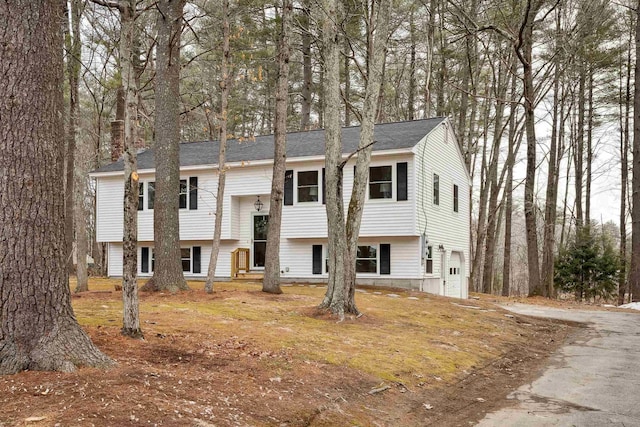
(588, 266)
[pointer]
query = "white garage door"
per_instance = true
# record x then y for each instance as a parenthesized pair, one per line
(453, 289)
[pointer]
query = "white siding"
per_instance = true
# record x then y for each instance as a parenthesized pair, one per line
(439, 154)
(243, 185)
(109, 207)
(379, 217)
(296, 256)
(114, 259)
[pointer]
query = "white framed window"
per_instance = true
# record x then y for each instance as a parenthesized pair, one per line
(184, 194)
(436, 189)
(185, 258)
(428, 268)
(140, 196)
(308, 186)
(367, 259)
(151, 194)
(455, 198)
(381, 182)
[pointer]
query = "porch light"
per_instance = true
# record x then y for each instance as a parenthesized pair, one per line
(258, 204)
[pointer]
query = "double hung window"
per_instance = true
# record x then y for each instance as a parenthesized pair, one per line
(380, 182)
(308, 186)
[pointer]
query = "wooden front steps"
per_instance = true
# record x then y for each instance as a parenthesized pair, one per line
(250, 276)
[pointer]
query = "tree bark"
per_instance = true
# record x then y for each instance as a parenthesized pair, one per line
(493, 187)
(334, 297)
(524, 49)
(508, 188)
(130, 312)
(225, 88)
(624, 173)
(38, 330)
(307, 76)
(376, 48)
(271, 282)
(167, 275)
(73, 46)
(634, 278)
(552, 174)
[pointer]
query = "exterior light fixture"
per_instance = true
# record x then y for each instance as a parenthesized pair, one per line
(441, 247)
(258, 204)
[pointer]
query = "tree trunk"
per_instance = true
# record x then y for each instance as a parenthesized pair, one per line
(307, 76)
(578, 157)
(634, 277)
(334, 298)
(73, 46)
(38, 330)
(225, 88)
(429, 58)
(525, 55)
(376, 48)
(80, 175)
(590, 118)
(167, 275)
(412, 70)
(130, 315)
(508, 188)
(624, 174)
(552, 175)
(493, 187)
(271, 282)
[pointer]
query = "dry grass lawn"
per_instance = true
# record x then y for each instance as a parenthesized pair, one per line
(242, 357)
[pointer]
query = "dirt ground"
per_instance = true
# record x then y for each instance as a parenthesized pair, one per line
(201, 368)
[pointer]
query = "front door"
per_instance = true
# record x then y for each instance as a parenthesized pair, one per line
(260, 223)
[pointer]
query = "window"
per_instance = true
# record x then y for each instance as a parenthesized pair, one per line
(151, 194)
(189, 257)
(147, 254)
(436, 189)
(185, 257)
(308, 186)
(183, 194)
(141, 196)
(367, 259)
(455, 198)
(429, 260)
(380, 180)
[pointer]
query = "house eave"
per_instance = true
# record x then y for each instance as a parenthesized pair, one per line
(247, 163)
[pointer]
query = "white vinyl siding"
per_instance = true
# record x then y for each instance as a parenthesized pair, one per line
(439, 154)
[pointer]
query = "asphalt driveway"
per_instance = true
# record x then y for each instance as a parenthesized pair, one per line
(594, 380)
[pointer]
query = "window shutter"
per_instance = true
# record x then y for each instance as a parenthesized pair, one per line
(144, 266)
(324, 188)
(195, 251)
(385, 258)
(288, 188)
(401, 176)
(317, 259)
(193, 193)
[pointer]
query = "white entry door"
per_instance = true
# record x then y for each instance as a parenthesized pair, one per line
(453, 287)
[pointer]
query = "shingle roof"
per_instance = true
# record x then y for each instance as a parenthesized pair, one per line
(388, 136)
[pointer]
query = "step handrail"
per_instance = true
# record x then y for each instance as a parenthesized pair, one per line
(239, 261)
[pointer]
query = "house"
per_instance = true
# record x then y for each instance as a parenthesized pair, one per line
(415, 229)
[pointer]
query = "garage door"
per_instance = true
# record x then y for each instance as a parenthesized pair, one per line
(453, 289)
